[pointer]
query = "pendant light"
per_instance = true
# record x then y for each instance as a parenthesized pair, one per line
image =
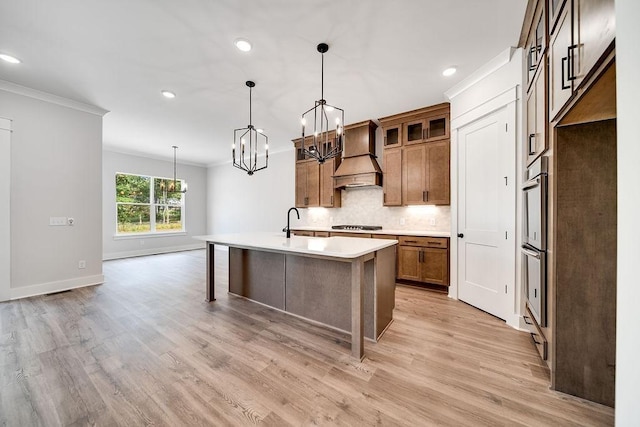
(175, 186)
(322, 145)
(249, 139)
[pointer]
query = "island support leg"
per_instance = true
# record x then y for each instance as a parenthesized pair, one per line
(210, 294)
(357, 315)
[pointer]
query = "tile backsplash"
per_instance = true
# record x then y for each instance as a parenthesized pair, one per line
(363, 206)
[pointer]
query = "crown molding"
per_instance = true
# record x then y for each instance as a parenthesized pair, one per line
(48, 97)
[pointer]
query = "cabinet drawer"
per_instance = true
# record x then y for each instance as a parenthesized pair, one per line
(346, 234)
(537, 336)
(306, 233)
(322, 234)
(428, 242)
(384, 236)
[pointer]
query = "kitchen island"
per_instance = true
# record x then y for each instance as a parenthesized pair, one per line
(342, 282)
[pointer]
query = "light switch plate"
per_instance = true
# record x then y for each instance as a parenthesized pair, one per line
(57, 220)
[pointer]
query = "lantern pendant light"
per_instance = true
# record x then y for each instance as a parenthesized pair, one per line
(322, 144)
(249, 139)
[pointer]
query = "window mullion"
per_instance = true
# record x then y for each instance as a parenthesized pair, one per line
(152, 205)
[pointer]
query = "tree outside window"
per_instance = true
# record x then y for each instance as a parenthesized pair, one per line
(138, 196)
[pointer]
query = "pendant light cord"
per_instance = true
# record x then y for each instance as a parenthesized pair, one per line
(322, 79)
(250, 122)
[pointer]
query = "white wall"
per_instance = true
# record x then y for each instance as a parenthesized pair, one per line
(56, 159)
(238, 202)
(5, 210)
(628, 321)
(195, 206)
(495, 85)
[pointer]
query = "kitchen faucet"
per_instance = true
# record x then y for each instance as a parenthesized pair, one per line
(288, 216)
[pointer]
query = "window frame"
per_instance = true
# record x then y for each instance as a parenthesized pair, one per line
(153, 232)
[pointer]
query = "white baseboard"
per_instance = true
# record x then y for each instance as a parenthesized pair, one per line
(57, 286)
(152, 251)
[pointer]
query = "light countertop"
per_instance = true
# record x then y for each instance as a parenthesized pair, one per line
(423, 233)
(335, 247)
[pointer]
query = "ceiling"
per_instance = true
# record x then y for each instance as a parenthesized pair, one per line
(385, 57)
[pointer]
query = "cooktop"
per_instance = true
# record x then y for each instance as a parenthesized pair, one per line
(357, 227)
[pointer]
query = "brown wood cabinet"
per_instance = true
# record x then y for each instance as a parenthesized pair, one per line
(536, 44)
(314, 182)
(307, 184)
(329, 195)
(584, 32)
(416, 163)
(392, 182)
(536, 142)
(393, 136)
(425, 174)
(424, 259)
(578, 339)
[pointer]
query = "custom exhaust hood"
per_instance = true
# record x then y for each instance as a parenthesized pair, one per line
(359, 167)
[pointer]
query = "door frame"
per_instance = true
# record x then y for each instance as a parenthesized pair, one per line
(510, 100)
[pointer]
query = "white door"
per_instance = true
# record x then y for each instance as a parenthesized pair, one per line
(486, 213)
(5, 179)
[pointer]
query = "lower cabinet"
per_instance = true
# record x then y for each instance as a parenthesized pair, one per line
(419, 259)
(424, 259)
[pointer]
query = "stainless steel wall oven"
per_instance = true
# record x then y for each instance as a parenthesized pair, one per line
(534, 239)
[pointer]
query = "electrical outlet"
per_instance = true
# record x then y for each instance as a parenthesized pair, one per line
(71, 221)
(432, 221)
(82, 264)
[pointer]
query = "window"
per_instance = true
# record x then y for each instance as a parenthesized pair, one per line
(147, 204)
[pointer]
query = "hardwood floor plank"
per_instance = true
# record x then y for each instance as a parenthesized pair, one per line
(145, 349)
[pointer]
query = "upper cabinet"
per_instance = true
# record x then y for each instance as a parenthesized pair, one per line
(416, 157)
(536, 44)
(581, 35)
(432, 128)
(314, 182)
(393, 136)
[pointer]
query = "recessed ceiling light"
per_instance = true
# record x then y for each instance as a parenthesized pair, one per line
(168, 94)
(449, 71)
(9, 58)
(243, 44)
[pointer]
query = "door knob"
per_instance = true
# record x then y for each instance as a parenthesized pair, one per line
(460, 235)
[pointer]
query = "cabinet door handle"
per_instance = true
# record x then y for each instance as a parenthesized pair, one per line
(533, 337)
(420, 256)
(564, 60)
(306, 201)
(384, 197)
(425, 196)
(424, 134)
(571, 63)
(532, 137)
(527, 320)
(331, 200)
(385, 140)
(532, 64)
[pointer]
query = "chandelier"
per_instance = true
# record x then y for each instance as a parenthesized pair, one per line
(249, 138)
(323, 145)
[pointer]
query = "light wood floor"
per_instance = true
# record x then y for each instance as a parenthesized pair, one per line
(144, 348)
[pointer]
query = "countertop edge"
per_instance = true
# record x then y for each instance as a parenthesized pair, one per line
(233, 241)
(421, 233)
